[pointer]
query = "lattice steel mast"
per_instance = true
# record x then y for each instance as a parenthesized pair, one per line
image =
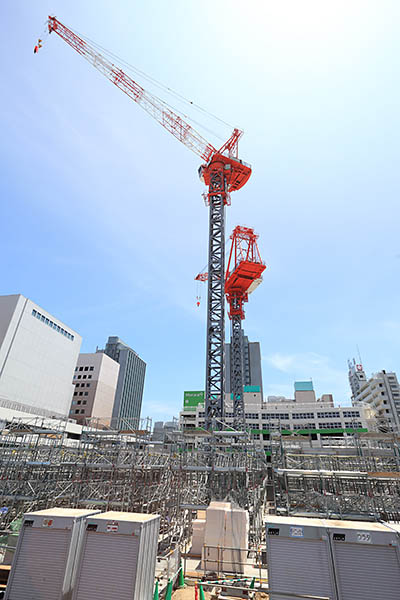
(223, 172)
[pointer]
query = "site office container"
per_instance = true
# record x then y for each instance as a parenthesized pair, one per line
(299, 559)
(366, 560)
(118, 557)
(45, 560)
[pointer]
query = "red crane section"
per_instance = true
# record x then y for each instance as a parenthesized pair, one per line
(236, 171)
(244, 270)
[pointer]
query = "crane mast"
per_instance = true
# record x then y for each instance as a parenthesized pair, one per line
(222, 171)
(243, 275)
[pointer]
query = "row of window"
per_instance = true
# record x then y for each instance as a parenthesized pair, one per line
(330, 425)
(353, 424)
(84, 368)
(306, 415)
(349, 414)
(82, 376)
(79, 402)
(82, 385)
(81, 393)
(53, 325)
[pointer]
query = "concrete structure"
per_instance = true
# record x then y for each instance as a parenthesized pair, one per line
(381, 392)
(129, 394)
(95, 380)
(252, 373)
(315, 418)
(38, 354)
(162, 429)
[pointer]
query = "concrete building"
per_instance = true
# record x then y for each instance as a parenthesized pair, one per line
(95, 380)
(381, 392)
(38, 355)
(129, 393)
(252, 373)
(315, 418)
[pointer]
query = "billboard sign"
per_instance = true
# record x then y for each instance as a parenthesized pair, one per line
(192, 399)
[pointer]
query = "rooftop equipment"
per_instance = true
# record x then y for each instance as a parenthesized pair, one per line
(44, 565)
(118, 557)
(341, 560)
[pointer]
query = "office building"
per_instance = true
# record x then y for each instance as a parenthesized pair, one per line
(95, 380)
(252, 373)
(301, 415)
(38, 354)
(129, 393)
(381, 392)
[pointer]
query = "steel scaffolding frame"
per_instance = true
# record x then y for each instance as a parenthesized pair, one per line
(356, 477)
(41, 467)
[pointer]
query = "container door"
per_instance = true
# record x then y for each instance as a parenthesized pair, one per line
(367, 572)
(39, 568)
(108, 567)
(299, 567)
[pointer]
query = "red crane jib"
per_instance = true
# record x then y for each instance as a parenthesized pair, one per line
(236, 171)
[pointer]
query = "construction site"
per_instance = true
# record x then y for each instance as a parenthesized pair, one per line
(208, 514)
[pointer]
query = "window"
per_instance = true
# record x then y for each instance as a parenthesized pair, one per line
(330, 425)
(251, 415)
(309, 415)
(76, 368)
(75, 393)
(82, 411)
(79, 402)
(51, 324)
(329, 415)
(77, 411)
(89, 377)
(79, 376)
(88, 385)
(382, 393)
(353, 424)
(86, 393)
(86, 368)
(81, 368)
(81, 393)
(91, 368)
(84, 376)
(350, 414)
(381, 385)
(84, 401)
(34, 312)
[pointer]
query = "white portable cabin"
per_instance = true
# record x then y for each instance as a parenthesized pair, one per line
(118, 557)
(44, 564)
(366, 560)
(298, 557)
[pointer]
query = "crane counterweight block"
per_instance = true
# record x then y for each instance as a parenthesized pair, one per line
(236, 171)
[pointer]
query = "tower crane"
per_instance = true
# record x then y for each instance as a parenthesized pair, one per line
(222, 171)
(243, 275)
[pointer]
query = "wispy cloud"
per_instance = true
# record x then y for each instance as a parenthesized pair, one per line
(326, 377)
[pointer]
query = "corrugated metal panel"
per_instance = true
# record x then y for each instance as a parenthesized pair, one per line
(367, 572)
(299, 567)
(39, 569)
(108, 567)
(147, 560)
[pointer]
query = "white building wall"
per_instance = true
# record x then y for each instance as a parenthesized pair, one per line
(95, 380)
(37, 356)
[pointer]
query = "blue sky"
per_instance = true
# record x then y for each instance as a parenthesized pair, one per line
(102, 220)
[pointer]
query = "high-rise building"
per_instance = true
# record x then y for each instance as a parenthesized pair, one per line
(95, 380)
(129, 394)
(381, 392)
(252, 373)
(38, 355)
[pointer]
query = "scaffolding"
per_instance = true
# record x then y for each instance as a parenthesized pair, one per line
(42, 467)
(356, 477)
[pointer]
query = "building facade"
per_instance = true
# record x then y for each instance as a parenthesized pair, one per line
(381, 392)
(129, 393)
(315, 418)
(95, 380)
(38, 355)
(252, 373)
